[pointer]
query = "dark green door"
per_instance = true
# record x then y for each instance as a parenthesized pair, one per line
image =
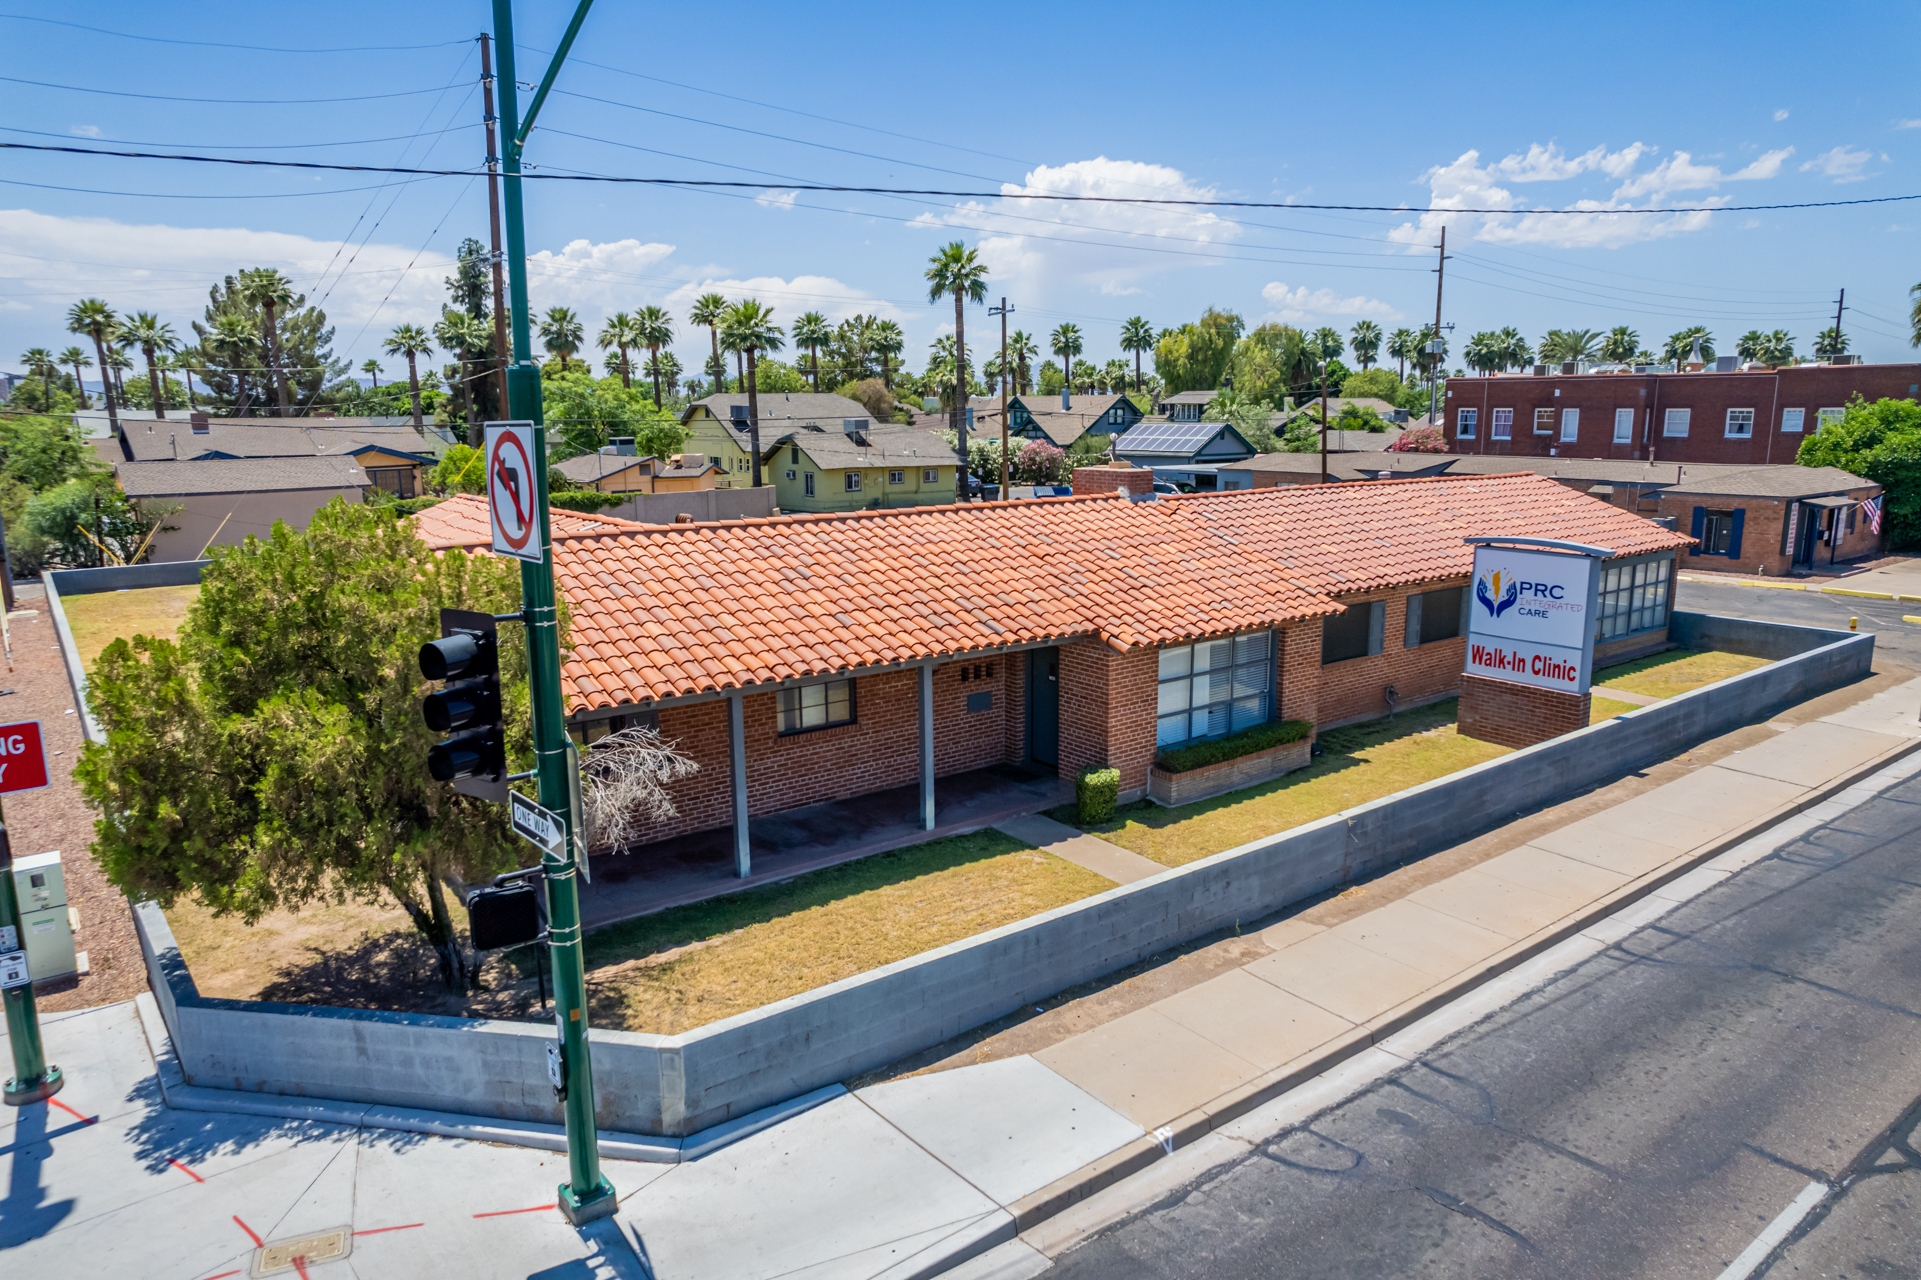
(1044, 706)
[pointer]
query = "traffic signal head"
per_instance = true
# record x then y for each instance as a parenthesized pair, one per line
(464, 706)
(460, 655)
(474, 759)
(480, 754)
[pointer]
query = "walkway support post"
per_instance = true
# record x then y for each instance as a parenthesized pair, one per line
(737, 759)
(587, 1194)
(927, 745)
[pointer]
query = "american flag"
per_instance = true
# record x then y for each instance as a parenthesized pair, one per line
(1871, 508)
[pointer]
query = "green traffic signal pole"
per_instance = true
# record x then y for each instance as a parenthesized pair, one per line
(32, 1080)
(586, 1195)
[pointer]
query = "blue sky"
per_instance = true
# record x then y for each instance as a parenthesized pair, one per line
(1501, 106)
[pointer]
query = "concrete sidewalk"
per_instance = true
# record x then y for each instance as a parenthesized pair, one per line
(897, 1179)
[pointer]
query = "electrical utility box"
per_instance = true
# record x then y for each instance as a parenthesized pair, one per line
(46, 931)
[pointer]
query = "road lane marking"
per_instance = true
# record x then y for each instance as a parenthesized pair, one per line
(1786, 1221)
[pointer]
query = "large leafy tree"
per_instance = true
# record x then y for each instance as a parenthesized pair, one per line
(410, 341)
(957, 270)
(96, 319)
(654, 329)
(239, 367)
(472, 280)
(1193, 357)
(275, 756)
(1137, 336)
(1365, 338)
(1881, 441)
(750, 327)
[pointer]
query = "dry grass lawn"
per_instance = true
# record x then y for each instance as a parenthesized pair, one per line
(1359, 763)
(100, 619)
(1600, 708)
(700, 963)
(1676, 671)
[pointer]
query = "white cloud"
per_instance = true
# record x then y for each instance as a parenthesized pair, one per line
(788, 297)
(1467, 183)
(1782, 114)
(1298, 305)
(1045, 244)
(1907, 124)
(783, 200)
(86, 131)
(1840, 164)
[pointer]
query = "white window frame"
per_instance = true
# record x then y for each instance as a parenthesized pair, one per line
(1792, 421)
(1544, 421)
(1825, 418)
(1734, 421)
(1465, 422)
(809, 477)
(1570, 425)
(850, 482)
(1674, 423)
(930, 475)
(1502, 426)
(1624, 426)
(896, 477)
(790, 473)
(1235, 691)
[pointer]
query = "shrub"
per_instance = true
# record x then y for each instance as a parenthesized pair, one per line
(1275, 733)
(1420, 440)
(1097, 789)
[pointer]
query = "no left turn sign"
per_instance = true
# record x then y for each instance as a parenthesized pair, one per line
(511, 507)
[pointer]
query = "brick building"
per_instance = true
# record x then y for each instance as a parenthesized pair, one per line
(821, 657)
(1754, 415)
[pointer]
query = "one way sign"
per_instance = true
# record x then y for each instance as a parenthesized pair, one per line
(539, 827)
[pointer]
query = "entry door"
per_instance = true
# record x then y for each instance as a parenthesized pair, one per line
(1810, 533)
(1044, 706)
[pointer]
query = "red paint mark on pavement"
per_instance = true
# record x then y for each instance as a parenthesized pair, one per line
(374, 1231)
(258, 1243)
(55, 1102)
(501, 1213)
(184, 1169)
(223, 1275)
(300, 1265)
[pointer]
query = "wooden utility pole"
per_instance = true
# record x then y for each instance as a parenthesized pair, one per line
(1003, 311)
(502, 356)
(1434, 347)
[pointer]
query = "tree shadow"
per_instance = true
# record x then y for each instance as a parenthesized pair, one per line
(398, 972)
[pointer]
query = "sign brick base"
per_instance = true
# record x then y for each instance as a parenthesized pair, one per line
(1518, 715)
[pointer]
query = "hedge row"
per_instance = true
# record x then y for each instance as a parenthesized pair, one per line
(1235, 745)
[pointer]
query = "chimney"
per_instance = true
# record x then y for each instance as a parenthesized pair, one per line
(200, 424)
(697, 461)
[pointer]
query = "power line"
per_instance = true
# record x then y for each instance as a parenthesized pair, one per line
(228, 102)
(213, 44)
(912, 191)
(238, 146)
(190, 195)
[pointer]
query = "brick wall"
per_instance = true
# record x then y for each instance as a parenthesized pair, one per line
(1761, 551)
(1015, 720)
(1111, 477)
(1300, 668)
(1355, 689)
(1518, 715)
(1107, 711)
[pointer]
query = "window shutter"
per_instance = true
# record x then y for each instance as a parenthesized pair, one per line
(1467, 618)
(1734, 536)
(1411, 638)
(1700, 525)
(1376, 627)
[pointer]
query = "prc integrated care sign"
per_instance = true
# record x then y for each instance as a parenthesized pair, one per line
(1532, 618)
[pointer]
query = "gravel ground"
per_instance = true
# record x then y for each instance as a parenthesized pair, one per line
(57, 818)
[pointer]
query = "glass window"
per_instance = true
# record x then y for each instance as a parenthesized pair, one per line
(930, 475)
(851, 481)
(1791, 420)
(1624, 426)
(1570, 424)
(1544, 422)
(1465, 420)
(1345, 635)
(1503, 426)
(1828, 417)
(816, 706)
(896, 477)
(1740, 424)
(1441, 614)
(795, 456)
(1717, 533)
(1214, 687)
(1675, 422)
(808, 478)
(1634, 597)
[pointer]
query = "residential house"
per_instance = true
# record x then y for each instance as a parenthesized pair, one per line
(838, 655)
(690, 474)
(862, 466)
(223, 501)
(1186, 454)
(1043, 417)
(718, 427)
(1187, 406)
(611, 471)
(394, 458)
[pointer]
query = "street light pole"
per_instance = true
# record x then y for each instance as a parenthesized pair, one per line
(587, 1194)
(503, 356)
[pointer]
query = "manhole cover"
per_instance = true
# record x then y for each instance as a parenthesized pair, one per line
(296, 1253)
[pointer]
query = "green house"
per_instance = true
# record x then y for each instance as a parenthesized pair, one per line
(861, 466)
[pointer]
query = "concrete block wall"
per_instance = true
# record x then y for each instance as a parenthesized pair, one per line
(1518, 715)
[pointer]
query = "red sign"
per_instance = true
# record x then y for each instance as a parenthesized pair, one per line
(23, 757)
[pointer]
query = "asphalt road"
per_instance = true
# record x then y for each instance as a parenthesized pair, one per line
(1647, 1114)
(1897, 644)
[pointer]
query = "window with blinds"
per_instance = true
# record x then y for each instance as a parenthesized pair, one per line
(1215, 687)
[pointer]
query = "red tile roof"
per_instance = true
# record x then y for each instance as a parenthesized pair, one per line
(663, 611)
(1348, 538)
(461, 521)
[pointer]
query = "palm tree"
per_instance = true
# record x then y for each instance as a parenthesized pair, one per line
(1914, 317)
(1365, 338)
(1021, 352)
(1750, 344)
(1515, 351)
(1680, 345)
(78, 359)
(1563, 345)
(1829, 343)
(372, 367)
(618, 333)
(654, 329)
(152, 337)
(1777, 349)
(1400, 345)
(1327, 343)
(411, 340)
(40, 363)
(470, 340)
(958, 270)
(95, 318)
(1137, 336)
(752, 330)
(812, 331)
(664, 367)
(1620, 345)
(268, 289)
(118, 362)
(235, 339)
(708, 309)
(1484, 352)
(187, 359)
(1114, 374)
(886, 341)
(1066, 343)
(560, 332)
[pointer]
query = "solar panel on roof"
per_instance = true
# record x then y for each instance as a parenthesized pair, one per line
(1167, 437)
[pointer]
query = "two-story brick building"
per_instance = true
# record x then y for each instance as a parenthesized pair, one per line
(1753, 415)
(811, 658)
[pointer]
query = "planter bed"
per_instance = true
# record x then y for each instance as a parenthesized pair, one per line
(1210, 780)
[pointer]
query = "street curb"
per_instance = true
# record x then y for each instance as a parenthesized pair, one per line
(178, 1095)
(1798, 586)
(1203, 1122)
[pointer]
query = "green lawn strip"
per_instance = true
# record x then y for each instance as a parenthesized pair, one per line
(688, 966)
(1359, 763)
(1678, 670)
(1607, 708)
